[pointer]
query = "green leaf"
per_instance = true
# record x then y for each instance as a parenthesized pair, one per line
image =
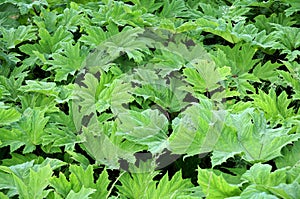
(239, 58)
(7, 182)
(70, 19)
(218, 27)
(173, 8)
(249, 136)
(170, 96)
(132, 42)
(28, 179)
(26, 6)
(8, 116)
(48, 20)
(170, 188)
(252, 192)
(13, 37)
(35, 100)
(264, 22)
(204, 75)
(260, 174)
(11, 85)
(151, 5)
(289, 41)
(54, 163)
(28, 131)
(103, 182)
(136, 183)
(84, 161)
(275, 107)
(18, 159)
(46, 88)
(288, 191)
(95, 35)
(267, 71)
(215, 186)
(70, 61)
(84, 193)
(108, 150)
(263, 182)
(244, 83)
(290, 156)
(21, 188)
(244, 32)
(60, 137)
(3, 196)
(38, 181)
(34, 184)
(80, 179)
(114, 96)
(295, 7)
(47, 45)
(148, 127)
(61, 185)
(197, 129)
(265, 41)
(291, 78)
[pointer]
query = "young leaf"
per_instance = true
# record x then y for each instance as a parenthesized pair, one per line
(48, 20)
(81, 179)
(131, 42)
(61, 184)
(262, 22)
(263, 181)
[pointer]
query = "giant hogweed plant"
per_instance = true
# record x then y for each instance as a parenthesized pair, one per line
(149, 99)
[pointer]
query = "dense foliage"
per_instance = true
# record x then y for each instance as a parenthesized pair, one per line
(150, 99)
